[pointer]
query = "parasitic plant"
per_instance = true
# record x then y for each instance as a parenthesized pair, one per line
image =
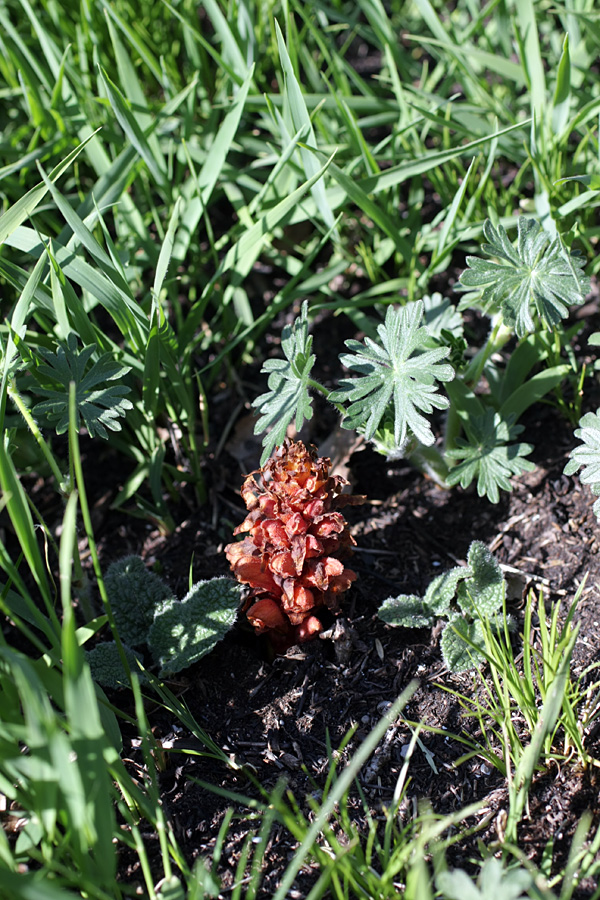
(295, 542)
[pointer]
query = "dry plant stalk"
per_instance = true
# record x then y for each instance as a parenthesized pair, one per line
(296, 541)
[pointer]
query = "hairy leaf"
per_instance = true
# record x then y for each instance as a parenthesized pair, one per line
(482, 592)
(288, 395)
(135, 593)
(456, 640)
(397, 373)
(406, 611)
(106, 666)
(184, 631)
(441, 316)
(98, 404)
(488, 456)
(442, 589)
(411, 611)
(538, 274)
(465, 596)
(587, 456)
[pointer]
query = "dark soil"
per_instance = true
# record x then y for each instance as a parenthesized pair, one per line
(280, 715)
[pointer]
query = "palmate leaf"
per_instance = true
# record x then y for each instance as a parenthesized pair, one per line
(98, 404)
(537, 274)
(441, 317)
(288, 395)
(587, 455)
(394, 374)
(493, 881)
(488, 456)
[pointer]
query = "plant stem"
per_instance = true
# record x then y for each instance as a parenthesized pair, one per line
(78, 481)
(430, 461)
(326, 393)
(43, 445)
(498, 337)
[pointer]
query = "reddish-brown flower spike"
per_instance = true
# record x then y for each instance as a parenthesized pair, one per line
(295, 542)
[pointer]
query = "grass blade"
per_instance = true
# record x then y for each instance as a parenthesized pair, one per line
(341, 786)
(24, 207)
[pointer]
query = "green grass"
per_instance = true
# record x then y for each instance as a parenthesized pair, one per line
(154, 158)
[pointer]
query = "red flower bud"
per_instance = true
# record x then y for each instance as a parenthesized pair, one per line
(292, 555)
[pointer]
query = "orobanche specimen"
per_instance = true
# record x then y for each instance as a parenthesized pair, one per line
(295, 544)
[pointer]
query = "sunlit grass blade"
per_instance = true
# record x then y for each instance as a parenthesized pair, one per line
(127, 314)
(17, 324)
(531, 56)
(194, 37)
(198, 191)
(548, 717)
(24, 207)
(128, 122)
(248, 247)
(300, 119)
(562, 91)
(21, 518)
(341, 786)
(82, 234)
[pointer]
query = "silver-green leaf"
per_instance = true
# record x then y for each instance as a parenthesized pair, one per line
(185, 631)
(537, 275)
(587, 456)
(288, 397)
(397, 373)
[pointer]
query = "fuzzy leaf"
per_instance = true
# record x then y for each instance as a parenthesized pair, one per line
(411, 611)
(397, 373)
(184, 631)
(457, 885)
(135, 594)
(535, 275)
(458, 653)
(488, 456)
(494, 881)
(442, 589)
(482, 593)
(288, 395)
(106, 666)
(441, 316)
(406, 611)
(99, 405)
(587, 455)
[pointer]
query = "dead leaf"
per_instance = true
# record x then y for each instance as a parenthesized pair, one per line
(339, 447)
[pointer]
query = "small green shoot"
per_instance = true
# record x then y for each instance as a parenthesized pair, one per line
(464, 596)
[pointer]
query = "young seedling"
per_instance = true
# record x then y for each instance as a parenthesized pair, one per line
(465, 596)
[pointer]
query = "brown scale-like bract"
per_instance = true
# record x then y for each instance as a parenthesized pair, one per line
(292, 557)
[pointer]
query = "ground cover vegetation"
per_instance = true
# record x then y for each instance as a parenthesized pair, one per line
(228, 232)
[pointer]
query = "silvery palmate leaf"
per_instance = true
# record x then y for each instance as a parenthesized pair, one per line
(288, 397)
(587, 455)
(537, 275)
(488, 456)
(397, 374)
